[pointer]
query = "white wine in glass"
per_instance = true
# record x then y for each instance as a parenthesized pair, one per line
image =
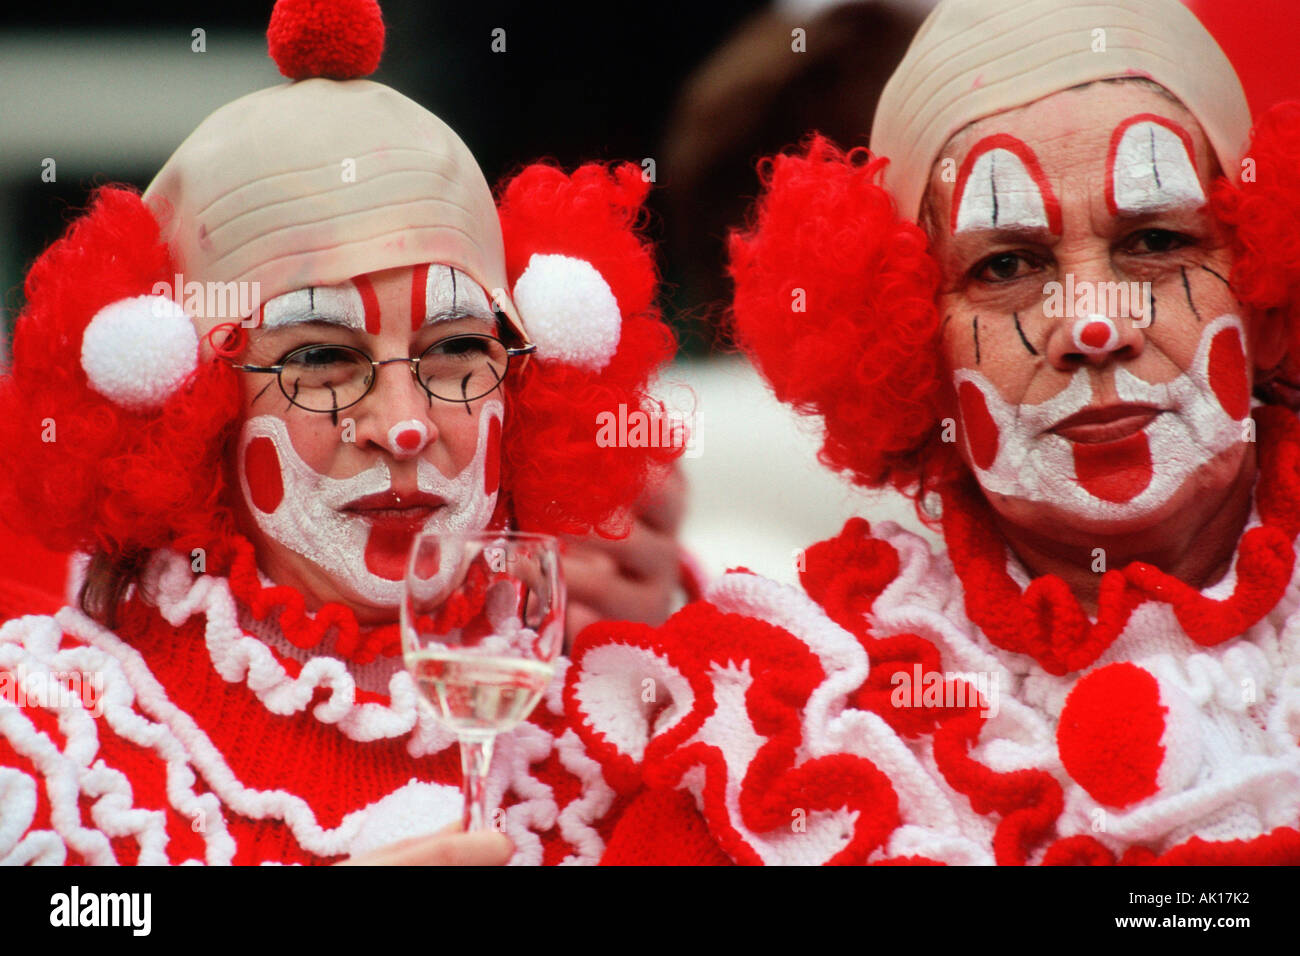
(482, 624)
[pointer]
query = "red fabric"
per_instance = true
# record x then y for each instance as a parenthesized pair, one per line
(1260, 41)
(663, 828)
(339, 39)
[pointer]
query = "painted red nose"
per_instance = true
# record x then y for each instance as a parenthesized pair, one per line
(409, 440)
(1095, 335)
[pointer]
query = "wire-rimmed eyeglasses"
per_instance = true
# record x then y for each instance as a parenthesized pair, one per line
(325, 377)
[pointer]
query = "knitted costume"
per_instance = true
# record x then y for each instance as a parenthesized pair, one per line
(914, 707)
(208, 734)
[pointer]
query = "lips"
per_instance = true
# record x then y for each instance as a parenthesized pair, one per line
(1107, 423)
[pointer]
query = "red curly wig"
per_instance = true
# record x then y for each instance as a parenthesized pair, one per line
(835, 298)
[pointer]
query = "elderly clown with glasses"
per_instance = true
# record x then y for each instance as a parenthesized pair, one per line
(240, 395)
(1055, 304)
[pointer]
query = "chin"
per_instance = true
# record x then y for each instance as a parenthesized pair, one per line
(1071, 522)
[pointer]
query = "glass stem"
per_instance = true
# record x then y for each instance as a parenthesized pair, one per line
(475, 758)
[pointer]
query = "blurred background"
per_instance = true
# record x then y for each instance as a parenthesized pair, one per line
(702, 90)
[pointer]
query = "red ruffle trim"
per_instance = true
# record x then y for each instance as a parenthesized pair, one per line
(355, 643)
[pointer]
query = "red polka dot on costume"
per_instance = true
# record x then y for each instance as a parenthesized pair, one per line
(262, 471)
(1227, 373)
(337, 39)
(981, 430)
(1110, 732)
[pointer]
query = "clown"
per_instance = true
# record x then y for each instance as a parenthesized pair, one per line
(246, 481)
(1040, 306)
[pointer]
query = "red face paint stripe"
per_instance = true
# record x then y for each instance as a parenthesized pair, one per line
(369, 303)
(981, 430)
(419, 296)
(1115, 471)
(262, 471)
(1051, 205)
(492, 465)
(1117, 136)
(1227, 374)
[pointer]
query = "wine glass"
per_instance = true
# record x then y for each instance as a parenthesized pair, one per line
(482, 623)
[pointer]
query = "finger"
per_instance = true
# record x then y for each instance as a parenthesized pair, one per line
(485, 848)
(578, 618)
(663, 507)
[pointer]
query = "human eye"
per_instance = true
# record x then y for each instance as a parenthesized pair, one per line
(1156, 242)
(461, 346)
(1006, 266)
(318, 356)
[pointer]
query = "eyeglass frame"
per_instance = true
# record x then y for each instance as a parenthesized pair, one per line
(525, 350)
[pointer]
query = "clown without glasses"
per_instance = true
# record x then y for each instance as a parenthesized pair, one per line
(248, 484)
(1120, 515)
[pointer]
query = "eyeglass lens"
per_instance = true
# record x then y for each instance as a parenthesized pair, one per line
(324, 378)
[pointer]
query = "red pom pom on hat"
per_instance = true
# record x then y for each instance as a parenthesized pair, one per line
(336, 39)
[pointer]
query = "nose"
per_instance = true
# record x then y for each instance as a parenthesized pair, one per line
(1100, 322)
(395, 416)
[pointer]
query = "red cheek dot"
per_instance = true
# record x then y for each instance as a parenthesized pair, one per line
(1095, 335)
(408, 440)
(262, 470)
(981, 430)
(492, 466)
(1227, 372)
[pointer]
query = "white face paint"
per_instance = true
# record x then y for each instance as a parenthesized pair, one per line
(1152, 167)
(450, 294)
(310, 517)
(336, 304)
(1002, 187)
(1202, 414)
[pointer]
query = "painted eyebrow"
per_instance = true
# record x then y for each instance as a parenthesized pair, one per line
(460, 312)
(1191, 210)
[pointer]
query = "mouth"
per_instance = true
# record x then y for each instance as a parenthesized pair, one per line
(1107, 423)
(396, 510)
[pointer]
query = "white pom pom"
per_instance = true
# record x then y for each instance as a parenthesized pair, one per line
(569, 311)
(137, 351)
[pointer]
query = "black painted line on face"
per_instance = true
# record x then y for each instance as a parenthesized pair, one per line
(1155, 169)
(1153, 307)
(262, 392)
(976, 326)
(946, 320)
(452, 270)
(1217, 276)
(1021, 333)
(1187, 288)
(993, 184)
